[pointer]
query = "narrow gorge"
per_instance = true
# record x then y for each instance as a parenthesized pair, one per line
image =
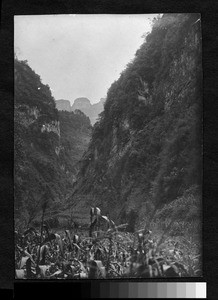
(114, 188)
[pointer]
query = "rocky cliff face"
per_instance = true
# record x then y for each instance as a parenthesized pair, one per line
(63, 105)
(48, 145)
(75, 133)
(145, 150)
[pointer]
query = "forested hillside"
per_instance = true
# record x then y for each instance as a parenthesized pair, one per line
(144, 159)
(75, 133)
(48, 145)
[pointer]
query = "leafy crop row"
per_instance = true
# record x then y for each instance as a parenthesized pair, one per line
(106, 251)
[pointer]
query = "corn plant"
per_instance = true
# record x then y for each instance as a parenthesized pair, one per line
(106, 251)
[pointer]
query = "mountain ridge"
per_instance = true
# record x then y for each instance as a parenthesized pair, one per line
(83, 104)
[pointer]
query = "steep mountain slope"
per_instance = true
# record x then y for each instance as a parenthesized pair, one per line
(44, 143)
(75, 133)
(97, 108)
(144, 158)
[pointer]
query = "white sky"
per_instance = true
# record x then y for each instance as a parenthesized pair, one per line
(79, 55)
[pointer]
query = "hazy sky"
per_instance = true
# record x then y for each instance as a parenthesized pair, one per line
(79, 55)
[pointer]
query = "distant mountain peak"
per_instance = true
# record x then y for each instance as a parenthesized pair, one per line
(63, 104)
(82, 100)
(91, 110)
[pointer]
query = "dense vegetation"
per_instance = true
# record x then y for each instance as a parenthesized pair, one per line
(75, 131)
(104, 251)
(48, 145)
(144, 158)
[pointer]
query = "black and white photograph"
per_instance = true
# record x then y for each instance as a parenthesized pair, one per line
(107, 146)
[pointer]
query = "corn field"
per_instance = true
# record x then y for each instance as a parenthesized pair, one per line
(104, 251)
